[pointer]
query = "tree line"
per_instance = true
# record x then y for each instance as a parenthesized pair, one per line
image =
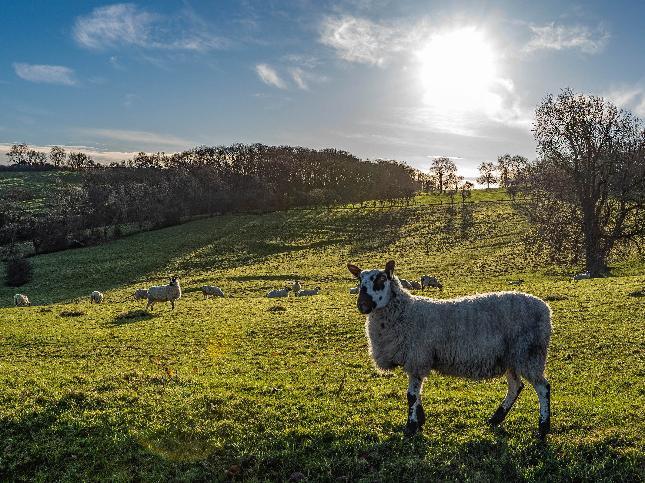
(159, 189)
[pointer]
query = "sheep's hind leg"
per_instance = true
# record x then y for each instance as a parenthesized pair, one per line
(543, 389)
(416, 414)
(515, 386)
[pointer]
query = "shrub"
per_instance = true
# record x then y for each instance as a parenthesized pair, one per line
(18, 271)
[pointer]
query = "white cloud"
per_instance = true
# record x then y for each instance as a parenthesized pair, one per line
(125, 24)
(298, 76)
(357, 39)
(561, 37)
(138, 137)
(269, 76)
(48, 74)
(631, 98)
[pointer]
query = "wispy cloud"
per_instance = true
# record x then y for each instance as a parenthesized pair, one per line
(48, 74)
(142, 138)
(269, 76)
(357, 39)
(126, 24)
(630, 97)
(561, 37)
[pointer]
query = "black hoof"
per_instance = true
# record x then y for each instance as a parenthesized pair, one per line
(544, 428)
(498, 417)
(411, 429)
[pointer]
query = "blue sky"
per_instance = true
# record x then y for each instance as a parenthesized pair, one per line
(382, 79)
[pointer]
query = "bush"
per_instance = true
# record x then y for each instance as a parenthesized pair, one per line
(18, 271)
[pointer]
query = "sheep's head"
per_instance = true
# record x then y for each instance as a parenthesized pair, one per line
(174, 281)
(374, 287)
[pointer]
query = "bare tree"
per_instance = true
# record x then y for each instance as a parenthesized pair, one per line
(487, 174)
(18, 154)
(441, 168)
(591, 173)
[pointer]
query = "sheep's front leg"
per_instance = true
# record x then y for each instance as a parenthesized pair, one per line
(416, 415)
(515, 386)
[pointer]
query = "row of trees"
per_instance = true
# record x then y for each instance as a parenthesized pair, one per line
(160, 189)
(22, 157)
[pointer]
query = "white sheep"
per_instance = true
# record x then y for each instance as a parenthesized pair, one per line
(581, 276)
(140, 293)
(428, 281)
(308, 293)
(477, 337)
(96, 297)
(279, 293)
(208, 290)
(516, 282)
(21, 300)
(164, 293)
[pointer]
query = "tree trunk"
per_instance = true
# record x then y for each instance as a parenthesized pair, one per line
(595, 260)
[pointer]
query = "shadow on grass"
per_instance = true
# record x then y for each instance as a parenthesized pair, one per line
(133, 316)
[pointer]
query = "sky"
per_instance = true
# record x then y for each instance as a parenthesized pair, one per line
(405, 80)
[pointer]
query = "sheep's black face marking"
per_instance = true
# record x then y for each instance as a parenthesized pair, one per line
(374, 292)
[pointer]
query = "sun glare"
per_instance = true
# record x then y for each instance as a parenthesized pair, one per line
(458, 71)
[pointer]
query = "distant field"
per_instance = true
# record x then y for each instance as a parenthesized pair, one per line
(35, 189)
(252, 388)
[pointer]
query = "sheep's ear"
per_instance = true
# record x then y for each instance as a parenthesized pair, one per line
(354, 270)
(389, 269)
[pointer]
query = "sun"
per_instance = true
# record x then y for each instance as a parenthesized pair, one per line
(458, 71)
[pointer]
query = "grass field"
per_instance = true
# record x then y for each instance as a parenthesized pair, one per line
(250, 388)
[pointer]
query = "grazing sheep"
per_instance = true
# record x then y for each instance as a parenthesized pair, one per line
(296, 287)
(211, 290)
(405, 283)
(428, 281)
(140, 293)
(516, 282)
(477, 337)
(308, 293)
(96, 297)
(415, 285)
(164, 293)
(21, 300)
(279, 293)
(581, 276)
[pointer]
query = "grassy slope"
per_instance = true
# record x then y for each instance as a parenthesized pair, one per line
(43, 185)
(232, 384)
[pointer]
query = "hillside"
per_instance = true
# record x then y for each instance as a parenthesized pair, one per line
(247, 387)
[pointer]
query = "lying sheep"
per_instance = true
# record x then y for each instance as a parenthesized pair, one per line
(478, 337)
(428, 281)
(415, 285)
(308, 293)
(164, 293)
(516, 282)
(405, 284)
(581, 276)
(211, 290)
(140, 293)
(279, 293)
(21, 300)
(96, 297)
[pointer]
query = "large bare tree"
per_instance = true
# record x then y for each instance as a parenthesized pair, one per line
(442, 168)
(487, 174)
(589, 175)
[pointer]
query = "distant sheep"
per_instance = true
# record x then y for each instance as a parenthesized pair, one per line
(415, 285)
(581, 276)
(140, 293)
(405, 284)
(477, 337)
(21, 300)
(428, 281)
(279, 293)
(96, 297)
(516, 282)
(354, 290)
(308, 293)
(164, 293)
(296, 287)
(208, 290)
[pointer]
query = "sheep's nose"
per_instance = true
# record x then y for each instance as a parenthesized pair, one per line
(365, 303)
